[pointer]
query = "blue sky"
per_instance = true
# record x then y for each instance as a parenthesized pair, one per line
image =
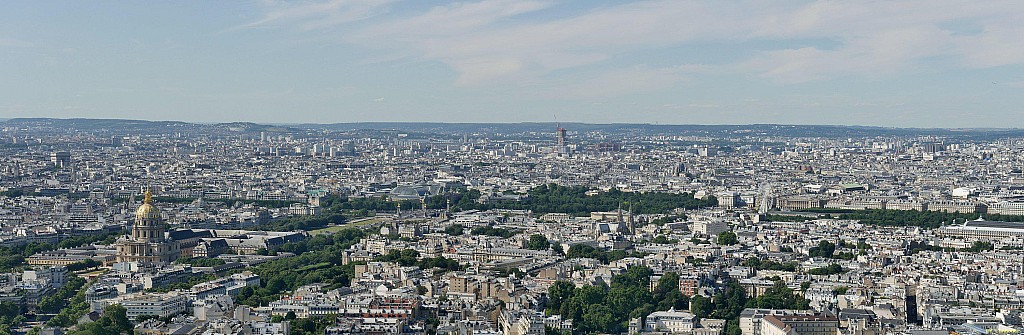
(923, 63)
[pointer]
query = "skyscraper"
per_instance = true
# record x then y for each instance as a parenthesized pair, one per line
(562, 148)
(560, 135)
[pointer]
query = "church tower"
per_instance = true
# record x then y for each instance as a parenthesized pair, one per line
(147, 244)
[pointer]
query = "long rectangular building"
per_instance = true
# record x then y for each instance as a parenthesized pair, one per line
(983, 229)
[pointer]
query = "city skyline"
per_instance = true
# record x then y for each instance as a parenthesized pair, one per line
(121, 226)
(921, 64)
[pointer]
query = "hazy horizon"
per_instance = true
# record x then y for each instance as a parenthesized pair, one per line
(566, 123)
(906, 64)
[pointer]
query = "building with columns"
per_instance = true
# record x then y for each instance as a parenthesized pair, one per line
(147, 244)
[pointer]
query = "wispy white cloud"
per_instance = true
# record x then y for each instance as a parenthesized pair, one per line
(870, 56)
(455, 20)
(615, 83)
(483, 43)
(315, 15)
(494, 41)
(704, 105)
(11, 42)
(882, 38)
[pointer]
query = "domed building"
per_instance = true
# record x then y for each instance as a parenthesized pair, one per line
(147, 244)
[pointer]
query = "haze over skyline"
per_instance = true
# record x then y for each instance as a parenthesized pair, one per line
(934, 63)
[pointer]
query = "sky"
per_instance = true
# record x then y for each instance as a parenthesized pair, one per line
(915, 63)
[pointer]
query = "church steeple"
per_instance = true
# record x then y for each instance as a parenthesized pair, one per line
(631, 224)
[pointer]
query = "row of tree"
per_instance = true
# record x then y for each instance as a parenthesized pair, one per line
(54, 302)
(280, 276)
(113, 321)
(894, 218)
(727, 238)
(494, 231)
(10, 317)
(200, 261)
(72, 309)
(729, 302)
(550, 198)
(830, 269)
(554, 198)
(606, 308)
(86, 264)
(911, 218)
(538, 242)
(13, 257)
(410, 257)
(185, 200)
(759, 264)
(827, 249)
(17, 192)
(586, 251)
(305, 223)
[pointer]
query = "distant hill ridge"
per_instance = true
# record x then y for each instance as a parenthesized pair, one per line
(484, 128)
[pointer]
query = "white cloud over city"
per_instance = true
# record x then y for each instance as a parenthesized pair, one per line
(505, 60)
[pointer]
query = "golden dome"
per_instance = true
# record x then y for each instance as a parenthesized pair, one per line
(147, 210)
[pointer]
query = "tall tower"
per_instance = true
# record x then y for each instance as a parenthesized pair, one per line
(560, 137)
(146, 244)
(631, 226)
(624, 225)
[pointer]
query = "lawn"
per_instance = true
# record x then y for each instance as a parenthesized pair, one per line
(350, 224)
